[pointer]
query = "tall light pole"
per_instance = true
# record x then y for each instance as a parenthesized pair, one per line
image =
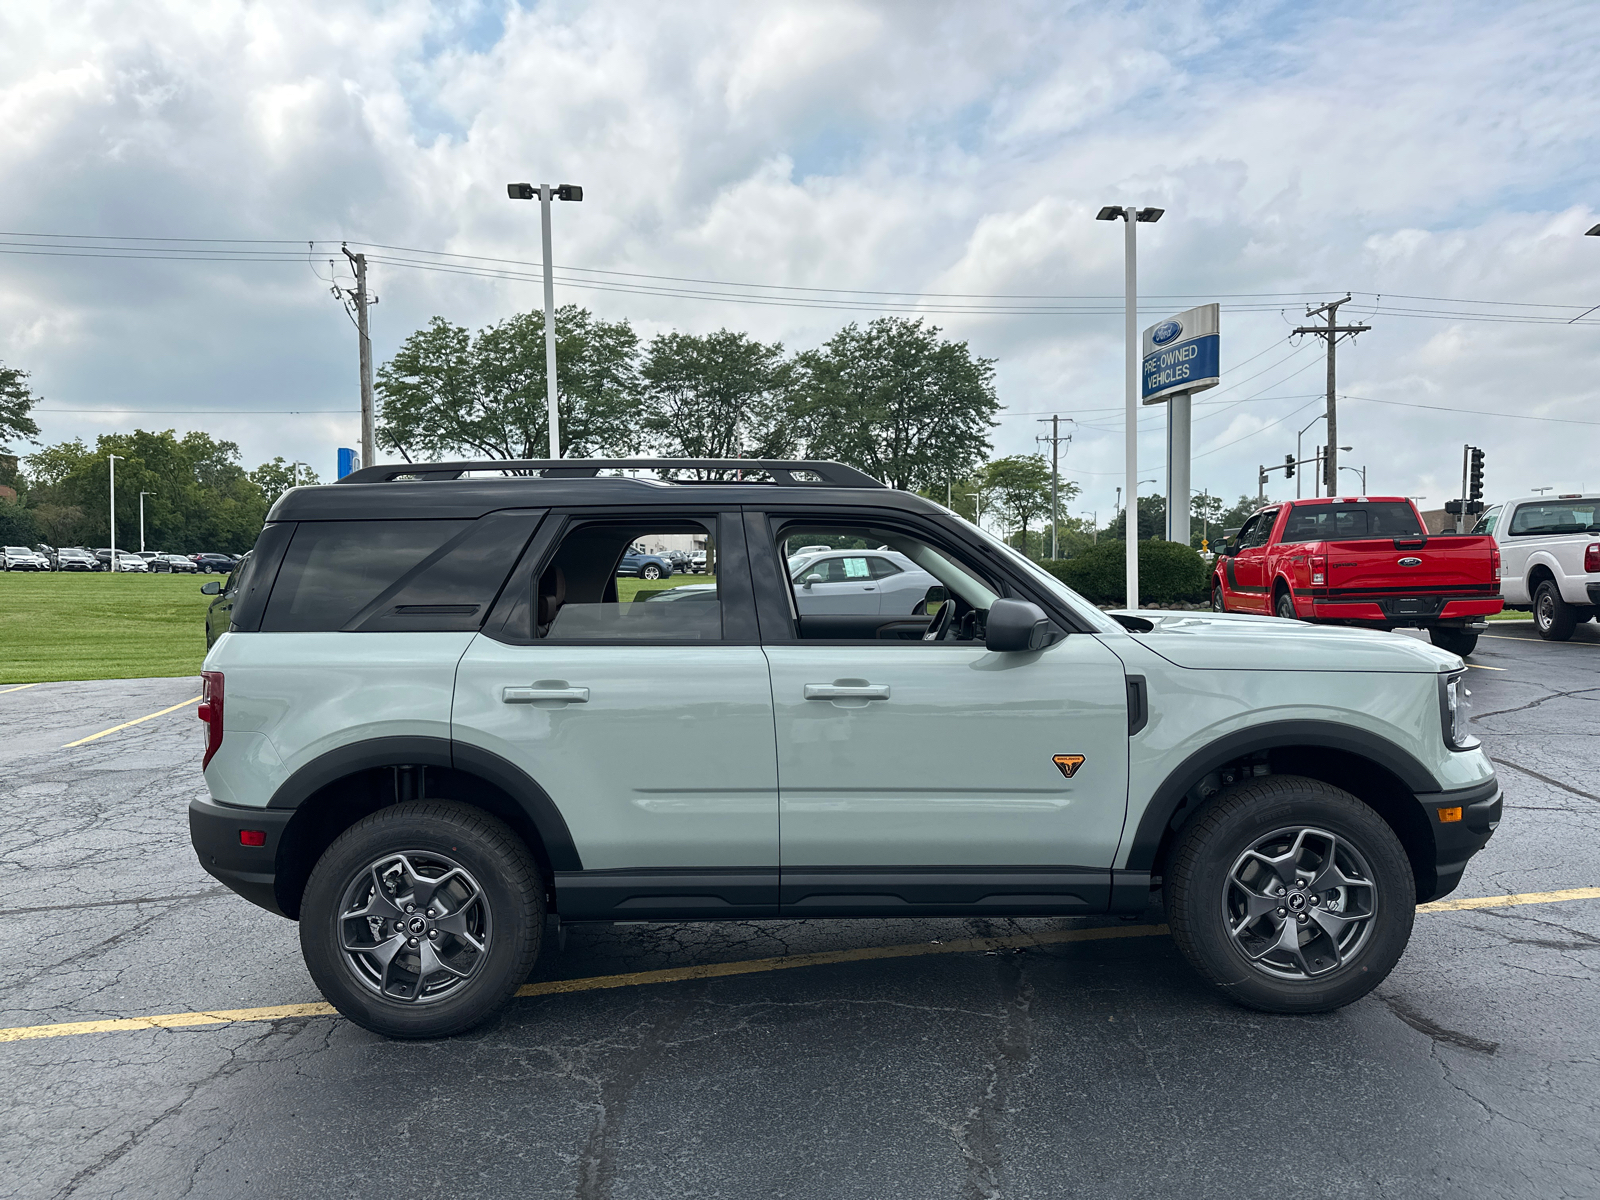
(1361, 472)
(545, 193)
(111, 461)
(1094, 523)
(1322, 416)
(1130, 434)
(142, 495)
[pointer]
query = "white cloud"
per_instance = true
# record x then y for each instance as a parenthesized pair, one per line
(1412, 151)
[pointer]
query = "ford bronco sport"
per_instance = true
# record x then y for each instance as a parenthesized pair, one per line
(424, 723)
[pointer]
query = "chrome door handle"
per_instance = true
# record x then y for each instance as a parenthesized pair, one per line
(552, 690)
(838, 691)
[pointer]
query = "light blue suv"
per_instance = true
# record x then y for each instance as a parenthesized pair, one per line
(424, 722)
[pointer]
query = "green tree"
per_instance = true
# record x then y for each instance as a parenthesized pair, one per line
(1205, 519)
(277, 477)
(447, 392)
(897, 401)
(1018, 490)
(715, 396)
(1239, 513)
(1152, 520)
(15, 402)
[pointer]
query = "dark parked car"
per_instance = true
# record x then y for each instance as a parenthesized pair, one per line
(221, 564)
(174, 564)
(219, 613)
(644, 566)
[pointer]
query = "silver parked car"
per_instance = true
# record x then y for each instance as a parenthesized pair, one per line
(858, 582)
(20, 558)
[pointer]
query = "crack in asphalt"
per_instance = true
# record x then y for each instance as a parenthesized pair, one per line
(1542, 778)
(17, 912)
(1424, 1025)
(1500, 712)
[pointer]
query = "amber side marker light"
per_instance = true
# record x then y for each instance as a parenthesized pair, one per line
(1446, 815)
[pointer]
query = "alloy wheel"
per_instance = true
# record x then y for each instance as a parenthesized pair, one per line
(1299, 903)
(414, 926)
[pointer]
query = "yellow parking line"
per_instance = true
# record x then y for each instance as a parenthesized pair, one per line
(18, 688)
(1500, 637)
(1481, 667)
(126, 724)
(554, 987)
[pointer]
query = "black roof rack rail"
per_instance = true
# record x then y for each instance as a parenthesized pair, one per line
(784, 472)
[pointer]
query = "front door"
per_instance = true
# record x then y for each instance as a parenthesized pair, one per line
(919, 776)
(646, 724)
(1246, 571)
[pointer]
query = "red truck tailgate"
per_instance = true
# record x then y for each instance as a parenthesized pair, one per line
(1443, 562)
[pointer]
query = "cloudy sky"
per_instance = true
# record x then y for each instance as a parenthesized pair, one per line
(835, 161)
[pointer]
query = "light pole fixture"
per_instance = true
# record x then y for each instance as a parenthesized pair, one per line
(1357, 471)
(1298, 456)
(1094, 523)
(1130, 435)
(111, 461)
(142, 495)
(1543, 490)
(544, 193)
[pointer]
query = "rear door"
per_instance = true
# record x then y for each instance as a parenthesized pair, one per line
(648, 725)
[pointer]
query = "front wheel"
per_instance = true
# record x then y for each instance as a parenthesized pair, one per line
(1217, 602)
(649, 571)
(1553, 618)
(1457, 641)
(422, 919)
(1290, 895)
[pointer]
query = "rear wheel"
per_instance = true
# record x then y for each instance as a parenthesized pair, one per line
(1553, 617)
(1457, 641)
(1283, 606)
(422, 919)
(1290, 895)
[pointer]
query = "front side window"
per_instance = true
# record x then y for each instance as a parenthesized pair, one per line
(581, 598)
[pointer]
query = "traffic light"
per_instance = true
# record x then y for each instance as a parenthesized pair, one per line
(1475, 474)
(1288, 466)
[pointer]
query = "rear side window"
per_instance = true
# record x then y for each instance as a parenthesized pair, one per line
(1556, 516)
(391, 576)
(1349, 522)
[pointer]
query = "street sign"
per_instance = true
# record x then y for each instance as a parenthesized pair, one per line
(1182, 354)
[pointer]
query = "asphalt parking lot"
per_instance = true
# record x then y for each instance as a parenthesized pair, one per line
(915, 1059)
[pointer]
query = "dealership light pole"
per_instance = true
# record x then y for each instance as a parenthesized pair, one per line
(142, 495)
(1298, 456)
(1132, 216)
(111, 461)
(545, 193)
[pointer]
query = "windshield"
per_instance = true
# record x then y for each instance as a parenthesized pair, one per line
(1039, 575)
(18, 550)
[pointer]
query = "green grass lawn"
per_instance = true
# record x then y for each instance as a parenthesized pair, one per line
(66, 625)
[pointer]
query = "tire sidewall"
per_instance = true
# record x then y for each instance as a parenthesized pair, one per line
(1216, 839)
(489, 851)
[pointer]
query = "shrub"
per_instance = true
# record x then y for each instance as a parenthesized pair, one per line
(1169, 572)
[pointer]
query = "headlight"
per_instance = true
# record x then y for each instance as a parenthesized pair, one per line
(1453, 708)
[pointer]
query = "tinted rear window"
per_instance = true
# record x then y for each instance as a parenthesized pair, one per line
(334, 569)
(1347, 522)
(1555, 516)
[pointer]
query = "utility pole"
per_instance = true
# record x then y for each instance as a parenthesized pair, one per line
(359, 261)
(1055, 439)
(142, 495)
(1331, 331)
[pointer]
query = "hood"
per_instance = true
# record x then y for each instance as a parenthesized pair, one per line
(1245, 642)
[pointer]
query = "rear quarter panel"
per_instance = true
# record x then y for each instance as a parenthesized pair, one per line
(291, 697)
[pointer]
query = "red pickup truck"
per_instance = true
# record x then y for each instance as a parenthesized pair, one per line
(1360, 561)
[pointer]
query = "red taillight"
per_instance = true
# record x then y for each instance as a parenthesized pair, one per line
(1494, 561)
(1319, 570)
(252, 837)
(210, 712)
(1591, 557)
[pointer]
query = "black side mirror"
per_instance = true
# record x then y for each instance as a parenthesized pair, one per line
(211, 589)
(1016, 625)
(936, 596)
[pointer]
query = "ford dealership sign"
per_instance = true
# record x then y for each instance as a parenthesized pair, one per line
(1182, 354)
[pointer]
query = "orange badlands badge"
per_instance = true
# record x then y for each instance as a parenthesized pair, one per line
(1069, 763)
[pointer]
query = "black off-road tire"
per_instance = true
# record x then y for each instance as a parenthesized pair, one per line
(1283, 606)
(1457, 641)
(1243, 817)
(1553, 618)
(495, 858)
(1218, 603)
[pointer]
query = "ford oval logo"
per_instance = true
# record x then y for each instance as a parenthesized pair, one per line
(1410, 562)
(1165, 332)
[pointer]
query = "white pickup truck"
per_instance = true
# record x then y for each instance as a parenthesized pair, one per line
(1549, 558)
